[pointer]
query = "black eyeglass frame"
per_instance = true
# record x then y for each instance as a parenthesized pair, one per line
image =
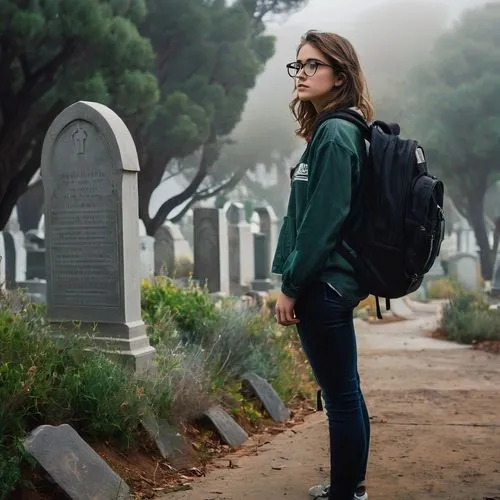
(298, 67)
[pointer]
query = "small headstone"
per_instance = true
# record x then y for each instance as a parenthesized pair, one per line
(261, 388)
(10, 260)
(211, 249)
(495, 282)
(19, 244)
(170, 246)
(170, 443)
(465, 268)
(230, 432)
(262, 258)
(269, 227)
(35, 255)
(74, 465)
(147, 257)
(241, 253)
(89, 172)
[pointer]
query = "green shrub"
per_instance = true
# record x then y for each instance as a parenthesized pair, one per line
(179, 390)
(203, 349)
(47, 382)
(467, 318)
(441, 289)
(191, 308)
(99, 396)
(233, 340)
(243, 341)
(10, 470)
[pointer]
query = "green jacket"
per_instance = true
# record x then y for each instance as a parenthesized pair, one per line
(324, 185)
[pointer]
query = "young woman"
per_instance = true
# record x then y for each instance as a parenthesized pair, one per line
(319, 288)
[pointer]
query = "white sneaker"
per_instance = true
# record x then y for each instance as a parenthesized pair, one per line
(321, 491)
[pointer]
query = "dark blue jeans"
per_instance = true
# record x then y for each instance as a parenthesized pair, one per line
(326, 330)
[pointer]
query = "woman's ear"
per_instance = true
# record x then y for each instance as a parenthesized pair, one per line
(340, 80)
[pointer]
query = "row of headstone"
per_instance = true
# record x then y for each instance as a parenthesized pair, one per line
(83, 475)
(232, 255)
(229, 255)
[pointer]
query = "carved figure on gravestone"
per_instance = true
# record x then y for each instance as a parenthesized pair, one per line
(79, 137)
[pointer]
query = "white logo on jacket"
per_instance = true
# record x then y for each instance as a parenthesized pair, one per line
(301, 172)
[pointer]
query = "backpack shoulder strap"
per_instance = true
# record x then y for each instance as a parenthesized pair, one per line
(348, 115)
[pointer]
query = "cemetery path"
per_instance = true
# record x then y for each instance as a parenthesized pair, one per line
(435, 411)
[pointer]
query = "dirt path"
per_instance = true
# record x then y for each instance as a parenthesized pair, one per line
(435, 411)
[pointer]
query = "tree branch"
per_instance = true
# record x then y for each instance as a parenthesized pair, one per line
(7, 97)
(25, 67)
(42, 78)
(209, 193)
(171, 203)
(18, 184)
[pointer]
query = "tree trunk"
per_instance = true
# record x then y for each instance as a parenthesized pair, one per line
(30, 207)
(17, 184)
(478, 223)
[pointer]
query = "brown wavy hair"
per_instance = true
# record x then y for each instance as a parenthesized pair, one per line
(353, 93)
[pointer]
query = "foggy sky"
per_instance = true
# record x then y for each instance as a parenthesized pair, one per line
(389, 35)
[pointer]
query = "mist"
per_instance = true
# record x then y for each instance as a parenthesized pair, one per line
(390, 37)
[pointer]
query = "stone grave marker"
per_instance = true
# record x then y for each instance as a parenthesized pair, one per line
(230, 432)
(74, 465)
(211, 249)
(16, 251)
(35, 255)
(20, 249)
(464, 267)
(495, 282)
(10, 260)
(146, 252)
(170, 443)
(265, 242)
(262, 258)
(262, 389)
(89, 174)
(170, 245)
(241, 252)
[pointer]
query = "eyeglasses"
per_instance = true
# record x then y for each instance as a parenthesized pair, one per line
(310, 67)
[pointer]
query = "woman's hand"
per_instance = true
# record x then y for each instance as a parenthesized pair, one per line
(285, 314)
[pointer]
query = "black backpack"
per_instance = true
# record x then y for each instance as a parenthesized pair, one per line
(398, 236)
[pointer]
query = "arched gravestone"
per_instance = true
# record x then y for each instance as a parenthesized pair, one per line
(89, 174)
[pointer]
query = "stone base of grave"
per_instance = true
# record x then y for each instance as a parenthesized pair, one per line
(262, 285)
(127, 342)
